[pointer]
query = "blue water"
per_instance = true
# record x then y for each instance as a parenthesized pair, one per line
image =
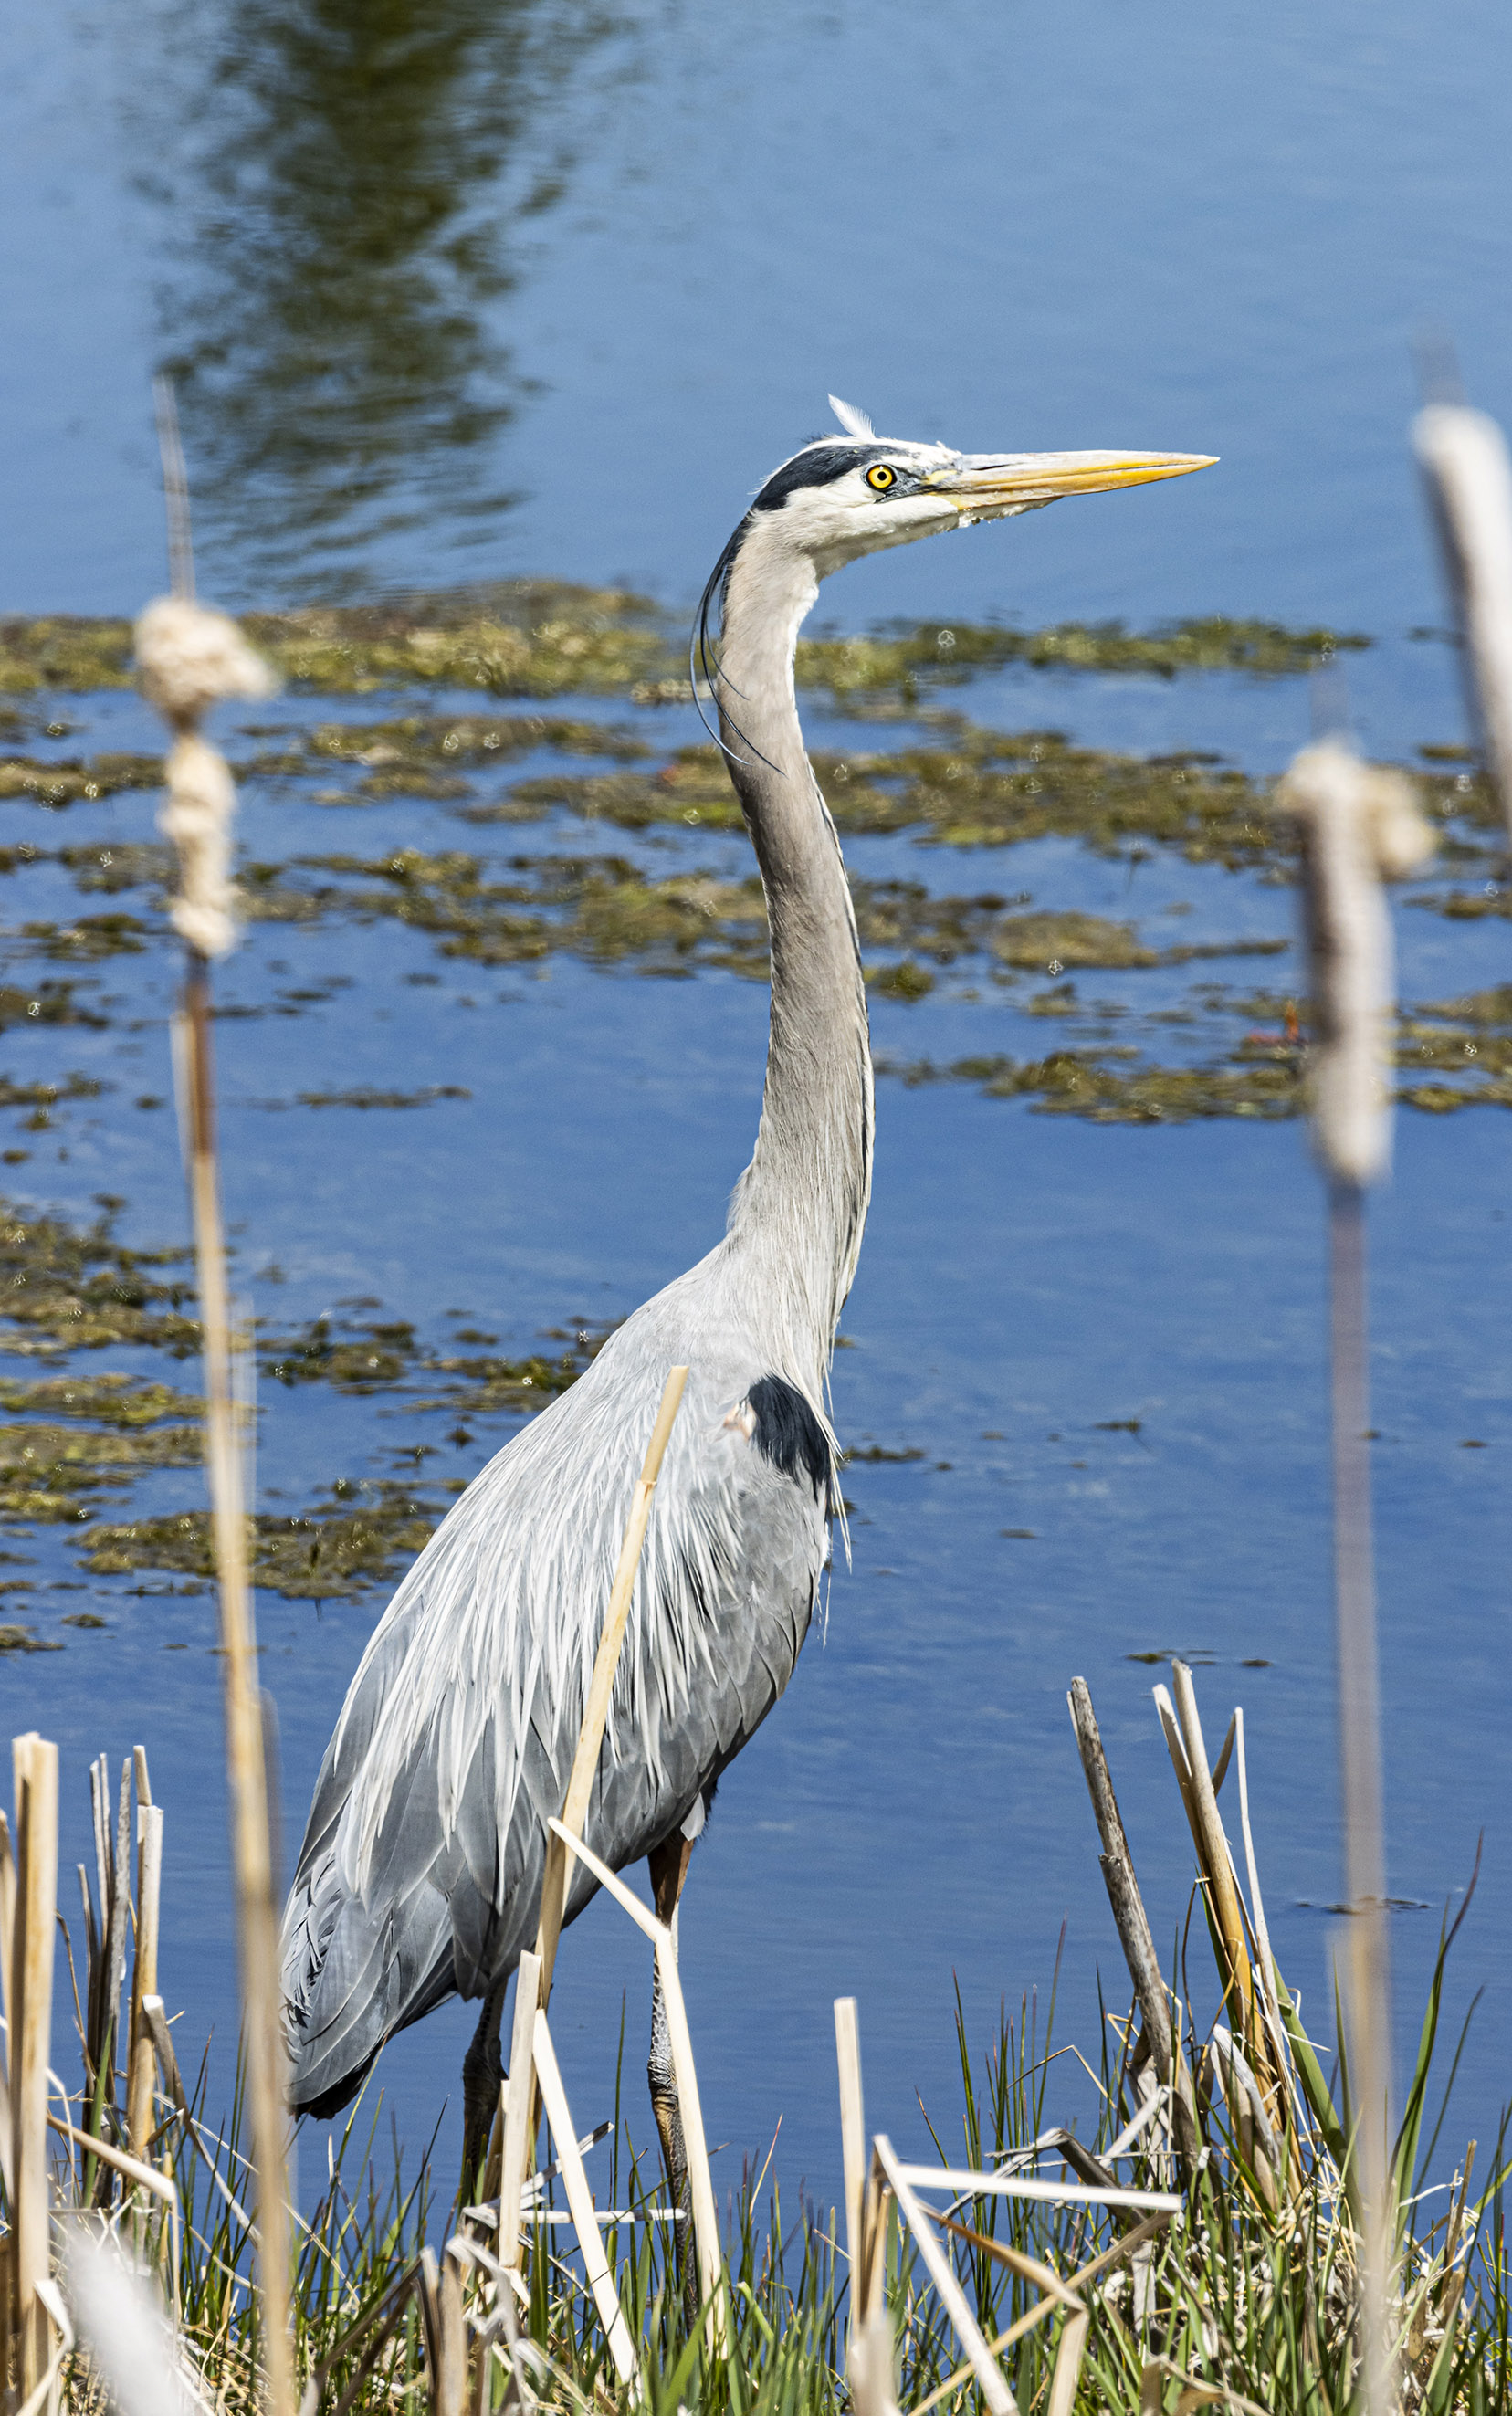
(1032, 227)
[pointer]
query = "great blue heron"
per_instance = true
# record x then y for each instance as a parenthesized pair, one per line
(420, 1873)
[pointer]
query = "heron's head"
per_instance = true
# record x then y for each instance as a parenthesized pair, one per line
(845, 495)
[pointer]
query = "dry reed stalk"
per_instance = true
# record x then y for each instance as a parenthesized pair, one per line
(1122, 2249)
(876, 2214)
(450, 2374)
(1359, 826)
(869, 2365)
(519, 2100)
(1463, 458)
(139, 2091)
(684, 2072)
(579, 2202)
(989, 2377)
(601, 1687)
(188, 657)
(1217, 1863)
(964, 2184)
(1133, 1928)
(853, 2133)
(591, 1737)
(30, 2014)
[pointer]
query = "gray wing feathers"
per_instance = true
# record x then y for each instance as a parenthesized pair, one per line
(422, 1860)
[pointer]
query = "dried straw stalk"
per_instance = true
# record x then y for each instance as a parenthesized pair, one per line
(684, 2072)
(601, 1687)
(1133, 1928)
(30, 2016)
(189, 658)
(533, 1977)
(1359, 826)
(1463, 458)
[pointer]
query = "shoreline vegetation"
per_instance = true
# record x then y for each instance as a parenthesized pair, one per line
(1239, 2289)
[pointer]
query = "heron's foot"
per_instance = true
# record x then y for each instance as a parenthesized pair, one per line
(483, 2076)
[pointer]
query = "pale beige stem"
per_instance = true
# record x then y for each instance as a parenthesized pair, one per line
(990, 2378)
(705, 2216)
(1134, 1928)
(256, 1914)
(579, 2201)
(596, 1712)
(519, 2109)
(601, 1688)
(1212, 1846)
(144, 1974)
(35, 1766)
(1463, 458)
(852, 2135)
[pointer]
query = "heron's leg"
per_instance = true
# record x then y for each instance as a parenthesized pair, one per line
(668, 1866)
(482, 2072)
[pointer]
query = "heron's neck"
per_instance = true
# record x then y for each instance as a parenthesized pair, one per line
(802, 1202)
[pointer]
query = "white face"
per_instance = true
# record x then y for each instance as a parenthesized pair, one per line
(837, 500)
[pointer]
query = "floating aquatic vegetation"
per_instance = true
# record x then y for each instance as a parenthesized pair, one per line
(52, 783)
(420, 755)
(21, 1640)
(1112, 1086)
(112, 865)
(88, 940)
(933, 653)
(46, 1471)
(544, 637)
(109, 1399)
(351, 1538)
(357, 1359)
(50, 1001)
(68, 1288)
(365, 1096)
(978, 788)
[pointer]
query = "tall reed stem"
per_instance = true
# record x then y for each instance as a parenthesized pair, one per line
(1368, 1994)
(256, 1914)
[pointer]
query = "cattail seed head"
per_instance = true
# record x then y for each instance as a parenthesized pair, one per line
(1360, 825)
(187, 656)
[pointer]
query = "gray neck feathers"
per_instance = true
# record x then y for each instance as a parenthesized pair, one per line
(801, 1204)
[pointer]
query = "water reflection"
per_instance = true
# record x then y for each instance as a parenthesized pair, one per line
(345, 224)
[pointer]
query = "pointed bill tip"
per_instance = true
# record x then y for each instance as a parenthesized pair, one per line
(985, 482)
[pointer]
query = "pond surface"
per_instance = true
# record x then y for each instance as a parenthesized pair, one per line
(495, 292)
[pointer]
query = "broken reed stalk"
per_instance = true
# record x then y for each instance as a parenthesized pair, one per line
(29, 2015)
(1463, 458)
(852, 2135)
(580, 1786)
(188, 657)
(139, 2090)
(257, 1916)
(1133, 1928)
(601, 1687)
(1358, 826)
(685, 2073)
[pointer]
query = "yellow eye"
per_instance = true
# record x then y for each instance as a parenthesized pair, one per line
(880, 477)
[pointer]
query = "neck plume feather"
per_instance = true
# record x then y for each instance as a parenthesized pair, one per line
(801, 1204)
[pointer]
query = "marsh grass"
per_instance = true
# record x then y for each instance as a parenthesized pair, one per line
(1247, 2296)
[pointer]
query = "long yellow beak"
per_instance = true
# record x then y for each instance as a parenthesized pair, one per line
(992, 484)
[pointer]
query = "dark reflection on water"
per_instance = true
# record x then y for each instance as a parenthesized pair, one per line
(346, 216)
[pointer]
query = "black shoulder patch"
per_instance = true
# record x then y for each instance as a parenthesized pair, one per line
(789, 1434)
(815, 466)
